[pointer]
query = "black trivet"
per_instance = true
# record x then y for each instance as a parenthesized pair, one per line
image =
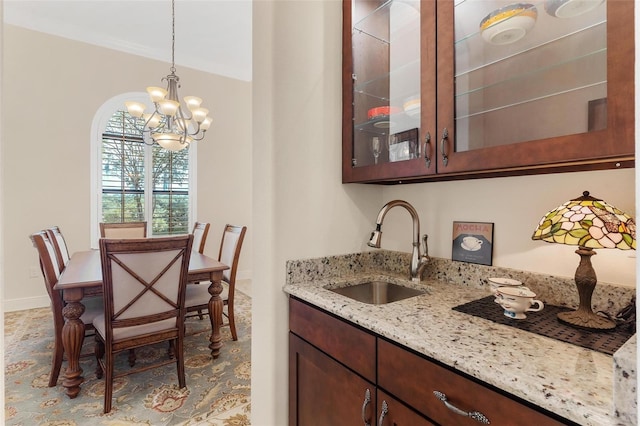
(546, 323)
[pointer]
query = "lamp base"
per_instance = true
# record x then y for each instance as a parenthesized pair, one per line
(586, 281)
(587, 320)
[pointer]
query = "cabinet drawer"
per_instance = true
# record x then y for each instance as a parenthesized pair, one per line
(413, 379)
(348, 344)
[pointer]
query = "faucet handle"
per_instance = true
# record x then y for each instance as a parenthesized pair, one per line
(425, 237)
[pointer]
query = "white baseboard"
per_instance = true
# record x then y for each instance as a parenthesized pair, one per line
(243, 275)
(26, 303)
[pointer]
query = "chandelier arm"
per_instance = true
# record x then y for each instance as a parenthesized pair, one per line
(155, 113)
(145, 132)
(183, 126)
(198, 136)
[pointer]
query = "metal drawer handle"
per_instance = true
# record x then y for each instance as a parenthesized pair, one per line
(383, 412)
(475, 415)
(365, 404)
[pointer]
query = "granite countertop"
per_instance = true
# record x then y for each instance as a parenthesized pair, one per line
(571, 381)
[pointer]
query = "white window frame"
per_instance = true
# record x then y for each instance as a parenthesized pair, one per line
(98, 126)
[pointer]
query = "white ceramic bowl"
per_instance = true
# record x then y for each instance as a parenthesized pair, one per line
(495, 283)
(411, 106)
(508, 24)
(570, 8)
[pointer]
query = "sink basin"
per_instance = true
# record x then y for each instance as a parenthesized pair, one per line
(377, 292)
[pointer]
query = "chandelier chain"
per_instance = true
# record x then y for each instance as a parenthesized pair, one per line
(173, 36)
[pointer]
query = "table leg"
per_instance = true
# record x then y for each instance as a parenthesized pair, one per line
(72, 338)
(215, 316)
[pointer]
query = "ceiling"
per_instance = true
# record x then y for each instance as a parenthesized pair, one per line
(210, 35)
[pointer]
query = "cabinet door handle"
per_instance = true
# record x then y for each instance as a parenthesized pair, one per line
(475, 415)
(427, 149)
(365, 404)
(445, 136)
(383, 412)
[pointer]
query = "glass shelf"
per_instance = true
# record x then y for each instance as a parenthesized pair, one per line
(386, 73)
(534, 87)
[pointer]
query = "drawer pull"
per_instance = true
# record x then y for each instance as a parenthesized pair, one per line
(383, 412)
(427, 150)
(475, 415)
(445, 136)
(365, 404)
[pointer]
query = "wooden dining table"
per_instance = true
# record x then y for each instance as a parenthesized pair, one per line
(82, 277)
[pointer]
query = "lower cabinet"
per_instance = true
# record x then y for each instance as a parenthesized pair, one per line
(341, 374)
(332, 375)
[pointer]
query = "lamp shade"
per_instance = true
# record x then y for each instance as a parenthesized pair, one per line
(588, 222)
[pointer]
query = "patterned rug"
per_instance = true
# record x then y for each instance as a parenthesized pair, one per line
(218, 391)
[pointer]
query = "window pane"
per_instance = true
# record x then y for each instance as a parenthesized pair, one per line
(170, 213)
(170, 191)
(124, 177)
(122, 208)
(122, 165)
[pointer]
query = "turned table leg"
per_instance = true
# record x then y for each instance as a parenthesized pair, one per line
(72, 338)
(215, 315)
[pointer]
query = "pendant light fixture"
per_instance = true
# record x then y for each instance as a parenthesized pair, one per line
(168, 124)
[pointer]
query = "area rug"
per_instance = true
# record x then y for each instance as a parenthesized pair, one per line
(218, 391)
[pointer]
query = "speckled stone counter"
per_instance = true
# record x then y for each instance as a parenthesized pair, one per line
(568, 380)
(625, 402)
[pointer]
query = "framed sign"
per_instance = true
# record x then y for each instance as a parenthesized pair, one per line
(473, 242)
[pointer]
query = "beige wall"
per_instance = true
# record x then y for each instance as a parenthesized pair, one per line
(54, 87)
(305, 211)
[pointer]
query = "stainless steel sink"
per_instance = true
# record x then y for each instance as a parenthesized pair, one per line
(377, 292)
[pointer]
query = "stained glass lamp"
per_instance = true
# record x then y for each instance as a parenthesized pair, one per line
(588, 223)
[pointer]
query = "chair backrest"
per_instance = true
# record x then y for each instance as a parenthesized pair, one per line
(200, 231)
(230, 247)
(123, 230)
(57, 239)
(50, 270)
(144, 281)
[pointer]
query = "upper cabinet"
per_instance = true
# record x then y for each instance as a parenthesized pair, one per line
(465, 88)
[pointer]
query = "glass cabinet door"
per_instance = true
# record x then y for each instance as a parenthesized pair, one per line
(530, 71)
(447, 89)
(385, 38)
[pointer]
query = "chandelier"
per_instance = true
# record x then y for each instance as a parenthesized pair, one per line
(168, 124)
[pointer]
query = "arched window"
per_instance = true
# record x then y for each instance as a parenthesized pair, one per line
(133, 181)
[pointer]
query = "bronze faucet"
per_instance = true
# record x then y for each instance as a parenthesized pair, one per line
(418, 261)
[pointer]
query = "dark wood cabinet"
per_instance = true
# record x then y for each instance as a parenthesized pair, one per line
(341, 374)
(560, 98)
(332, 374)
(323, 391)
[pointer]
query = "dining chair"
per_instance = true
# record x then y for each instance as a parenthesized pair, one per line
(144, 284)
(51, 273)
(200, 231)
(62, 252)
(197, 295)
(123, 230)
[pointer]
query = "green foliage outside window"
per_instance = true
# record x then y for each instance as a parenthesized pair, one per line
(124, 180)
